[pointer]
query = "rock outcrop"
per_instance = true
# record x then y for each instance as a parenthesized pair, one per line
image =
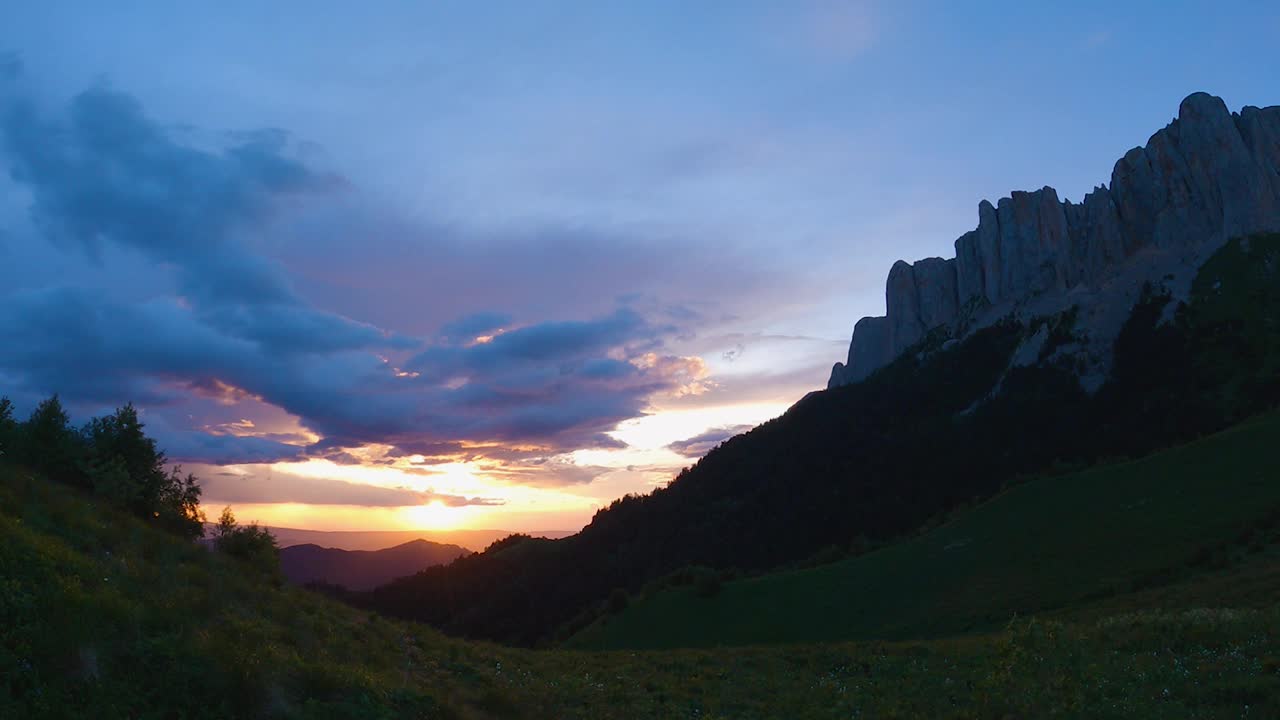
(1208, 176)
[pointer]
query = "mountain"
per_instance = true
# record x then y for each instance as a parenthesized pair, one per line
(1047, 388)
(474, 540)
(363, 569)
(107, 616)
(1197, 523)
(1209, 176)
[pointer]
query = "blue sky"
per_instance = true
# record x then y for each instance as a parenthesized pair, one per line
(281, 227)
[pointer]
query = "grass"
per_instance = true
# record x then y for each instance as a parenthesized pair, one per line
(105, 617)
(1050, 544)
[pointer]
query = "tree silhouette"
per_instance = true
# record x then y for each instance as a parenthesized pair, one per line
(49, 444)
(7, 426)
(111, 456)
(124, 465)
(251, 543)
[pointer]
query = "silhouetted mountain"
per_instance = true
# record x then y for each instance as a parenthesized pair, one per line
(474, 540)
(1191, 345)
(363, 569)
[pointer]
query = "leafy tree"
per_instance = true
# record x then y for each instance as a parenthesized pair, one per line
(111, 456)
(49, 444)
(125, 466)
(8, 427)
(179, 506)
(251, 543)
(117, 440)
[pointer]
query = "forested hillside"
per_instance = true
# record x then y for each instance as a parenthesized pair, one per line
(1196, 524)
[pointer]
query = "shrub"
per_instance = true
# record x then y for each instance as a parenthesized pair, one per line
(251, 543)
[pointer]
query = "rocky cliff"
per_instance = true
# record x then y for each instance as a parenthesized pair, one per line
(1208, 176)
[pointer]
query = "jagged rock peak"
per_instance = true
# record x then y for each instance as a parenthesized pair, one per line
(1208, 176)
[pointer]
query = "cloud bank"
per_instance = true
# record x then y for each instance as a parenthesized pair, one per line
(103, 177)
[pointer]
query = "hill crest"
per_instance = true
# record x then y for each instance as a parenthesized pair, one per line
(363, 569)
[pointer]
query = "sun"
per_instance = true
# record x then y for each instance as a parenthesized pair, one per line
(434, 516)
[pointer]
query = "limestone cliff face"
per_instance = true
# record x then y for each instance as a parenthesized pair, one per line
(1208, 176)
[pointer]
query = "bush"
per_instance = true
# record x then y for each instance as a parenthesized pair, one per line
(251, 543)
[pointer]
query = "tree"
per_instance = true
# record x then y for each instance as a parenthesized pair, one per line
(123, 465)
(49, 444)
(7, 426)
(179, 507)
(117, 447)
(251, 543)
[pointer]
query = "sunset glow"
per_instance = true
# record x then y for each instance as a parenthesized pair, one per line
(483, 493)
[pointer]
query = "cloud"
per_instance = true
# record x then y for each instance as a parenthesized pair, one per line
(200, 447)
(102, 176)
(94, 349)
(101, 172)
(548, 472)
(279, 487)
(535, 345)
(468, 328)
(701, 444)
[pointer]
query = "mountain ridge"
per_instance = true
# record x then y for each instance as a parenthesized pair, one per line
(474, 540)
(363, 569)
(1208, 176)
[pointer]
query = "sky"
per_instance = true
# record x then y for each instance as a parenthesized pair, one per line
(459, 265)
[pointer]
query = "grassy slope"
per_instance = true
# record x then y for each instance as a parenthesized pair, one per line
(1047, 544)
(104, 617)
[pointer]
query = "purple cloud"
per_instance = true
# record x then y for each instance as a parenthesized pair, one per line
(701, 444)
(101, 174)
(278, 487)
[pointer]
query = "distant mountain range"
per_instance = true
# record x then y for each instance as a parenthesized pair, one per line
(363, 569)
(474, 540)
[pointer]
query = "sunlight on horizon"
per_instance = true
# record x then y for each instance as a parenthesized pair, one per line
(469, 489)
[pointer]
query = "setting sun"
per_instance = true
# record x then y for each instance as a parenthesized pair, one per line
(435, 516)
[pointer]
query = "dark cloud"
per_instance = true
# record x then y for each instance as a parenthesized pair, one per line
(536, 346)
(102, 172)
(182, 447)
(102, 175)
(278, 487)
(700, 445)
